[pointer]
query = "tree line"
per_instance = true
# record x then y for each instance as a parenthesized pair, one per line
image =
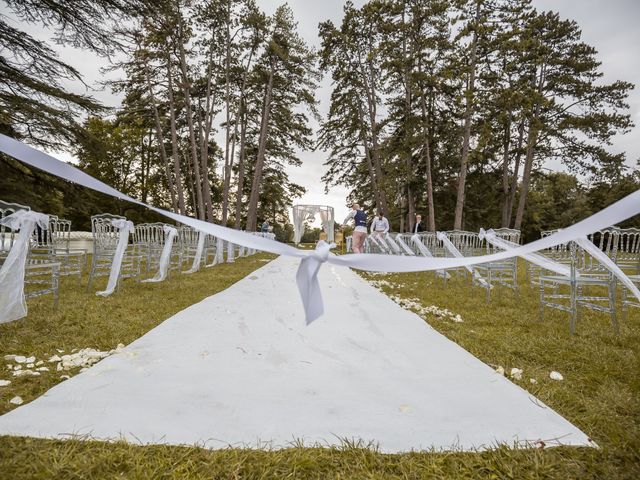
(447, 108)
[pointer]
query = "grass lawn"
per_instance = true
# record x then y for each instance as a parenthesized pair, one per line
(600, 392)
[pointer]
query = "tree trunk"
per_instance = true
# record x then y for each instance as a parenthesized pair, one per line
(163, 151)
(228, 159)
(466, 135)
(526, 175)
(370, 91)
(203, 189)
(429, 179)
(177, 172)
(241, 165)
(513, 189)
(505, 173)
(205, 131)
(532, 138)
(367, 156)
(262, 146)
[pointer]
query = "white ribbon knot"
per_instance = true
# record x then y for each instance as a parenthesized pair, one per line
(307, 279)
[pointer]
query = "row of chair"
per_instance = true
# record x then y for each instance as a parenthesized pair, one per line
(51, 254)
(588, 283)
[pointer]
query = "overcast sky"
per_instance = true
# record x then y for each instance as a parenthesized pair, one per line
(610, 26)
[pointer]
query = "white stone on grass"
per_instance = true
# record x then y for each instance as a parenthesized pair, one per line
(16, 400)
(533, 381)
(500, 370)
(556, 376)
(4, 383)
(10, 357)
(30, 360)
(54, 358)
(516, 373)
(20, 359)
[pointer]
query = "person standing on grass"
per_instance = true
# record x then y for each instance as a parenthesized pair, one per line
(380, 225)
(419, 226)
(360, 231)
(265, 227)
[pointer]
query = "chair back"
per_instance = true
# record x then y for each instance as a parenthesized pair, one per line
(105, 235)
(7, 235)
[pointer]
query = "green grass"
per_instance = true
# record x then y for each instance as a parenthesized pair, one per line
(600, 392)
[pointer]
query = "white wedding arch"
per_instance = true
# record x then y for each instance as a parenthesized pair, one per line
(302, 213)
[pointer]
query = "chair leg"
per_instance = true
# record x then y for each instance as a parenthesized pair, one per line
(612, 306)
(574, 308)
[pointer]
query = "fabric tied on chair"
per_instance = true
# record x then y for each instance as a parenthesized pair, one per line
(609, 264)
(456, 253)
(12, 302)
(165, 257)
(197, 260)
(535, 258)
(125, 227)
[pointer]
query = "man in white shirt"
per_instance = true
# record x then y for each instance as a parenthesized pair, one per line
(360, 231)
(380, 225)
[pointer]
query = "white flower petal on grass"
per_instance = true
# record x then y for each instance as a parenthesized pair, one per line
(556, 376)
(516, 373)
(10, 358)
(9, 366)
(533, 381)
(54, 358)
(16, 400)
(30, 359)
(42, 369)
(500, 370)
(30, 365)
(65, 377)
(4, 383)
(39, 362)
(20, 359)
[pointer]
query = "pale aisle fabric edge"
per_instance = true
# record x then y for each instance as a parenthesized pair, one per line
(311, 260)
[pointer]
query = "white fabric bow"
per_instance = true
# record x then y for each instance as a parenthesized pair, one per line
(307, 279)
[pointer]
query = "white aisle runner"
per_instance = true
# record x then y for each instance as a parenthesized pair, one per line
(241, 368)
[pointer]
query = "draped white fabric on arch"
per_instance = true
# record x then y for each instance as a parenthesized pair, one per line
(307, 213)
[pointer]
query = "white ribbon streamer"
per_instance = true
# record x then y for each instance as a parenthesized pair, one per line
(165, 257)
(392, 243)
(535, 258)
(197, 259)
(604, 259)
(425, 252)
(456, 253)
(403, 244)
(125, 227)
(379, 243)
(12, 302)
(615, 213)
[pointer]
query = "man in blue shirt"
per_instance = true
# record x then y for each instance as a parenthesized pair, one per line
(360, 231)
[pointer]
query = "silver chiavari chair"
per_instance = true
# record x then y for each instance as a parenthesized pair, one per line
(72, 260)
(42, 272)
(105, 240)
(504, 272)
(589, 285)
